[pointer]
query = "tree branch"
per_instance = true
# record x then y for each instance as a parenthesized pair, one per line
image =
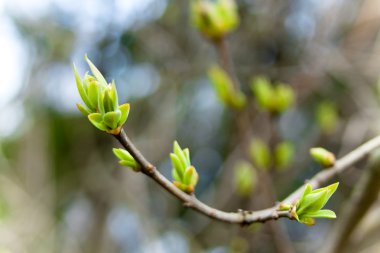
(243, 217)
(341, 165)
(225, 60)
(363, 196)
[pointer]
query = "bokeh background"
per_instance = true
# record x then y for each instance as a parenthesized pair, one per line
(61, 188)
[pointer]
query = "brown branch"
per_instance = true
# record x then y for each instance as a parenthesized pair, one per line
(225, 60)
(242, 217)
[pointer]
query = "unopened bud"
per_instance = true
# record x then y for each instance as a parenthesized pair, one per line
(323, 156)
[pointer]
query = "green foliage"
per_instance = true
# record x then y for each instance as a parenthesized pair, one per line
(214, 18)
(327, 116)
(245, 178)
(101, 101)
(283, 154)
(224, 88)
(323, 156)
(272, 98)
(260, 154)
(310, 205)
(126, 159)
(184, 174)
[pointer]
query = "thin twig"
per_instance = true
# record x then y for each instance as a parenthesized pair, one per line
(341, 165)
(364, 195)
(242, 217)
(226, 61)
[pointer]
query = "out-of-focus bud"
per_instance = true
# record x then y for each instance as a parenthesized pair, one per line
(184, 174)
(283, 154)
(214, 18)
(260, 154)
(224, 89)
(323, 157)
(245, 178)
(327, 117)
(284, 97)
(101, 101)
(263, 92)
(273, 98)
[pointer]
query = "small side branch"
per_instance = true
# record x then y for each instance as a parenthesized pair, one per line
(243, 217)
(364, 195)
(340, 166)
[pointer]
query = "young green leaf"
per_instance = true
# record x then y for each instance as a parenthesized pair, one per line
(97, 120)
(310, 204)
(111, 119)
(96, 72)
(124, 109)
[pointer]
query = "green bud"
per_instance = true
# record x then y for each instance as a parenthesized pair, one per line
(310, 205)
(184, 174)
(273, 98)
(214, 18)
(101, 101)
(263, 92)
(323, 157)
(284, 207)
(245, 178)
(327, 116)
(126, 159)
(283, 154)
(190, 177)
(224, 88)
(284, 97)
(260, 154)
